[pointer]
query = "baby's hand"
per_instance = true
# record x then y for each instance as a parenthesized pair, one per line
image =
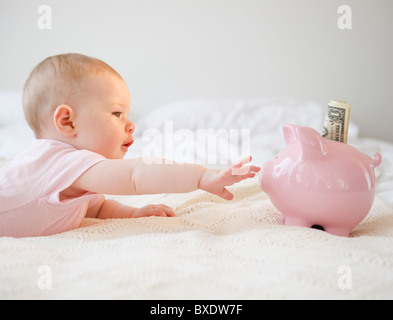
(159, 210)
(216, 181)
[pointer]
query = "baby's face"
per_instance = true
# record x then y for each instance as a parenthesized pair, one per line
(102, 116)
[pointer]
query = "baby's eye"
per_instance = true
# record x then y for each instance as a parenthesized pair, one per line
(116, 114)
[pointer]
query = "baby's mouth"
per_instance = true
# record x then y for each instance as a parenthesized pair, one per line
(128, 144)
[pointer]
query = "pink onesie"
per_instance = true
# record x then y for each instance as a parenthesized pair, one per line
(30, 185)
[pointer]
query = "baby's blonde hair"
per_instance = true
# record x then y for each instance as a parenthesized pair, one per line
(55, 81)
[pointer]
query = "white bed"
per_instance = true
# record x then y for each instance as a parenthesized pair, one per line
(213, 249)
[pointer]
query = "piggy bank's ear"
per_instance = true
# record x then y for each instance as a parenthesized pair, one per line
(311, 143)
(290, 135)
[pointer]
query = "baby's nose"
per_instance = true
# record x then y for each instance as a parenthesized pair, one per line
(130, 127)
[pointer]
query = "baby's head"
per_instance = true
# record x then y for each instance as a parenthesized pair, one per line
(79, 100)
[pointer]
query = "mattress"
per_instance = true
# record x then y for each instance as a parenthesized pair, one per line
(212, 249)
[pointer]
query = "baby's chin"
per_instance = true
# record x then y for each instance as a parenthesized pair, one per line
(113, 155)
(119, 156)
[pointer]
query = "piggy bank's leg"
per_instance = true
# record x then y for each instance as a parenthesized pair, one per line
(338, 231)
(318, 227)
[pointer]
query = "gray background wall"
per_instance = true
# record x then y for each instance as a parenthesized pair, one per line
(182, 49)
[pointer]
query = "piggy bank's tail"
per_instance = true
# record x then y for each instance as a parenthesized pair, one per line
(377, 160)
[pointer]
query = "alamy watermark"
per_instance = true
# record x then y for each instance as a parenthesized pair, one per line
(44, 281)
(44, 21)
(344, 281)
(203, 146)
(344, 22)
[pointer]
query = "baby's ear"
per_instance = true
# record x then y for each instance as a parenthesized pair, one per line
(63, 119)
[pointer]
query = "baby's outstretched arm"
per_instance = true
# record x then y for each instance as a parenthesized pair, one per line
(136, 176)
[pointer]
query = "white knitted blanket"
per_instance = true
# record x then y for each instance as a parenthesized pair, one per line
(213, 249)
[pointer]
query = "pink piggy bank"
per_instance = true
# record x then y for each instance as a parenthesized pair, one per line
(320, 183)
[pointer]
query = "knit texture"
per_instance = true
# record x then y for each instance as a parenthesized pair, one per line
(213, 249)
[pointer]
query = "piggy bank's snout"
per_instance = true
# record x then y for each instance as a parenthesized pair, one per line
(263, 180)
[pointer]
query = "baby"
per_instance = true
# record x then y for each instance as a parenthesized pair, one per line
(78, 108)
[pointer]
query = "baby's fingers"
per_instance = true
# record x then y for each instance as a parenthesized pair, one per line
(158, 210)
(240, 169)
(242, 162)
(225, 194)
(245, 176)
(159, 213)
(254, 169)
(161, 210)
(168, 211)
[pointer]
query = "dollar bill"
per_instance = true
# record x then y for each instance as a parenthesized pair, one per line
(337, 121)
